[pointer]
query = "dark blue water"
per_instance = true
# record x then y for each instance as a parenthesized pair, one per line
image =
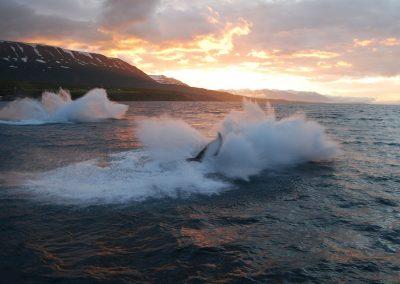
(336, 221)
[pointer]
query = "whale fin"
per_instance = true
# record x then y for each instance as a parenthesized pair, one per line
(213, 146)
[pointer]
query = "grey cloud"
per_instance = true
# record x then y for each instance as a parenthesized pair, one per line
(329, 25)
(285, 24)
(156, 20)
(174, 25)
(313, 24)
(21, 21)
(87, 10)
(383, 61)
(122, 13)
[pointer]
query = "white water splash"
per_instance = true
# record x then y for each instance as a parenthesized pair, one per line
(59, 108)
(129, 176)
(253, 141)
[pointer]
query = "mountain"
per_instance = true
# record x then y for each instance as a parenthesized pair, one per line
(297, 96)
(44, 63)
(27, 69)
(167, 80)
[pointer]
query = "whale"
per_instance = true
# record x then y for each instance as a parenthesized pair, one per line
(212, 148)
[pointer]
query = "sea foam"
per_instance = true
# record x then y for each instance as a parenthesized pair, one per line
(60, 108)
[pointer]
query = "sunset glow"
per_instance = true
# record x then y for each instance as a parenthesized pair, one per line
(232, 44)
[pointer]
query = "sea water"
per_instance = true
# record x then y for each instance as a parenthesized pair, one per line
(299, 192)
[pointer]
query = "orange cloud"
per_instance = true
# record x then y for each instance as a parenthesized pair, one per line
(344, 64)
(260, 54)
(213, 17)
(261, 49)
(315, 54)
(224, 43)
(391, 42)
(363, 43)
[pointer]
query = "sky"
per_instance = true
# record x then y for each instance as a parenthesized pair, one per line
(334, 47)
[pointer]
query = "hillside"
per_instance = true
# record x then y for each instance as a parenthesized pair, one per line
(28, 69)
(49, 64)
(167, 80)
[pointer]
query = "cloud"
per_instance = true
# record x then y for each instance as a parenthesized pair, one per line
(159, 21)
(73, 9)
(321, 41)
(20, 21)
(310, 24)
(117, 14)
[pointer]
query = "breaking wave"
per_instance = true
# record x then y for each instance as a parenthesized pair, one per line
(253, 141)
(60, 108)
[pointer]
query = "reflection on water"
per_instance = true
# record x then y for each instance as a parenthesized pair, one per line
(330, 222)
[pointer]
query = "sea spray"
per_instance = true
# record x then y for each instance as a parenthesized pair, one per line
(129, 176)
(59, 107)
(253, 141)
(168, 139)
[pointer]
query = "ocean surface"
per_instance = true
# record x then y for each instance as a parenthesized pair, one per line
(80, 204)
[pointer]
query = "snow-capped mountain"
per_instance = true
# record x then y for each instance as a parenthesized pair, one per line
(28, 69)
(167, 80)
(44, 63)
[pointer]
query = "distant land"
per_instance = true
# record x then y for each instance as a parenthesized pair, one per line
(28, 69)
(298, 96)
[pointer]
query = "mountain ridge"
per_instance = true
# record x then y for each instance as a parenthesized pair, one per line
(27, 69)
(45, 63)
(162, 79)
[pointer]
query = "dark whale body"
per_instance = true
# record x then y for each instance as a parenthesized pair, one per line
(213, 146)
